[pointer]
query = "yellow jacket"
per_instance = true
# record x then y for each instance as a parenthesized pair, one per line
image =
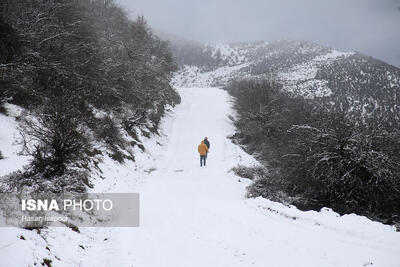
(202, 148)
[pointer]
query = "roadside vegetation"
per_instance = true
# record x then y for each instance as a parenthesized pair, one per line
(318, 152)
(86, 76)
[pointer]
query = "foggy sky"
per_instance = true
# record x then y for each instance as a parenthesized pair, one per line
(368, 26)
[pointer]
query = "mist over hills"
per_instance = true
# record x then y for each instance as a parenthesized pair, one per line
(362, 83)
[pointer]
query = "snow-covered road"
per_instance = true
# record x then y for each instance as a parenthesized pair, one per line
(193, 216)
(198, 216)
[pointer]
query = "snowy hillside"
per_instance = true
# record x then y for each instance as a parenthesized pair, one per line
(193, 216)
(307, 69)
(238, 60)
(366, 86)
(302, 78)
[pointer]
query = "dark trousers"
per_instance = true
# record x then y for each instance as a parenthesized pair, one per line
(203, 160)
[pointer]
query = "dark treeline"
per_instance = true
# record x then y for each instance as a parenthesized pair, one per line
(193, 54)
(318, 152)
(85, 74)
(196, 54)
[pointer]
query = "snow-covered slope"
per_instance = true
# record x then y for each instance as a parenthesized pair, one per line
(224, 62)
(295, 64)
(307, 69)
(8, 136)
(302, 78)
(62, 246)
(193, 216)
(193, 76)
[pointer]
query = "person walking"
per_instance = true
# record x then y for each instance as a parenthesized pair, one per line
(207, 144)
(203, 149)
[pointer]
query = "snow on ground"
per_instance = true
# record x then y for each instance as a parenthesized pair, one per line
(227, 52)
(8, 133)
(192, 76)
(199, 216)
(301, 77)
(193, 216)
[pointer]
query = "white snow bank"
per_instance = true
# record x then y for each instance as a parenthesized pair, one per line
(8, 147)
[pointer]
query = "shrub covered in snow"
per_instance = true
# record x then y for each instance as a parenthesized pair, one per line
(249, 172)
(73, 181)
(320, 152)
(266, 183)
(54, 136)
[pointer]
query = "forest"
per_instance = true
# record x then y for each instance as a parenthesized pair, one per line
(90, 82)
